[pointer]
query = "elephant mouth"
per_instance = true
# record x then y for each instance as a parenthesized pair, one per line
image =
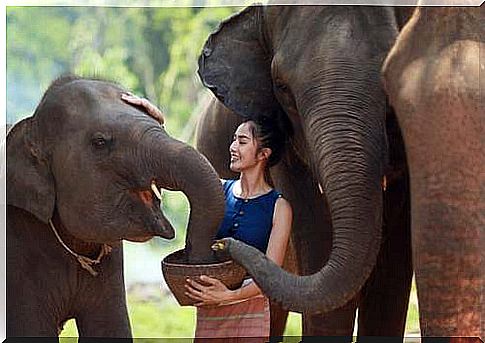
(146, 195)
(139, 239)
(154, 223)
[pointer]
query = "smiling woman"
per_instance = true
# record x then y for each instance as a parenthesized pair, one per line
(256, 214)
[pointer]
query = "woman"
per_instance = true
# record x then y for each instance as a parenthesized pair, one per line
(255, 214)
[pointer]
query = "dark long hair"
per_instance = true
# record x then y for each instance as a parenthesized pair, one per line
(271, 131)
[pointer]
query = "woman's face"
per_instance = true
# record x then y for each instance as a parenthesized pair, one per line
(244, 149)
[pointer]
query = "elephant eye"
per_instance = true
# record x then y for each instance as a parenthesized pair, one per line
(98, 142)
(281, 86)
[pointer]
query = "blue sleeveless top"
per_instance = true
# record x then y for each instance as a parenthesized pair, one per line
(248, 220)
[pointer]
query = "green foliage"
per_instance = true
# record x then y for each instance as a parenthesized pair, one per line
(36, 41)
(191, 32)
(151, 51)
(412, 320)
(176, 209)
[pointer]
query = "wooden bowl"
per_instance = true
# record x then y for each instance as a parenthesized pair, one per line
(176, 270)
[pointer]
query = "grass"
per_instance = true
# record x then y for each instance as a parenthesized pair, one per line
(167, 319)
(412, 320)
(164, 318)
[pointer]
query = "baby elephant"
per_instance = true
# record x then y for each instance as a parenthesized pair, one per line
(83, 173)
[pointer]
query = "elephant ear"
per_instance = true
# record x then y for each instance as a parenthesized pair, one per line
(236, 66)
(30, 184)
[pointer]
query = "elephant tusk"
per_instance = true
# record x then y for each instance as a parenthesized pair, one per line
(320, 188)
(158, 193)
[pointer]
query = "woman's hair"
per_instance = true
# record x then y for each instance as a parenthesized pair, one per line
(269, 133)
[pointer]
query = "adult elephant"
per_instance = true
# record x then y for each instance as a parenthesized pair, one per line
(318, 70)
(435, 79)
(79, 180)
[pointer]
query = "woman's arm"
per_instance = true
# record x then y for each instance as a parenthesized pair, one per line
(150, 108)
(280, 233)
(217, 293)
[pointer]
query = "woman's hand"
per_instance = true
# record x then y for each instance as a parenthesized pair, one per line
(150, 108)
(216, 293)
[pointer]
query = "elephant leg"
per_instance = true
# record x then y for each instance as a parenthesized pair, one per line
(32, 311)
(449, 270)
(215, 129)
(312, 236)
(106, 320)
(442, 121)
(103, 312)
(35, 322)
(385, 298)
(34, 340)
(279, 315)
(338, 324)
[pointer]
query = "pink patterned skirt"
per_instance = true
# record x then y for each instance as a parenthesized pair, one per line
(245, 321)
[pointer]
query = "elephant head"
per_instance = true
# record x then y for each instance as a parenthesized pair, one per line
(89, 158)
(320, 67)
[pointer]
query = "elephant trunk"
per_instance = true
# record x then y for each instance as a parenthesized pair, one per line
(184, 169)
(347, 132)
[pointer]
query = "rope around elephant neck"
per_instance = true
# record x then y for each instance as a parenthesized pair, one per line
(84, 261)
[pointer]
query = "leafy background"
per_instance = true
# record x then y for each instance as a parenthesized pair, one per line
(152, 51)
